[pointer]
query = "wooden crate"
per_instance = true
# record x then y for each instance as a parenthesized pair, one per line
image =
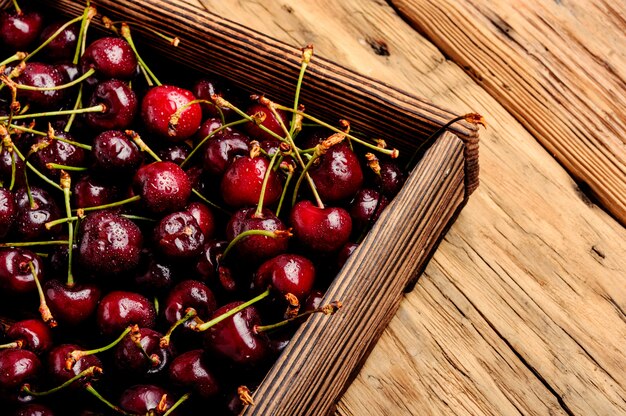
(325, 354)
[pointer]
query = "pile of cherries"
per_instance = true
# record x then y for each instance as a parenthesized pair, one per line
(159, 242)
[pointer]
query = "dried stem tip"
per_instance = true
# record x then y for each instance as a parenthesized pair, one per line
(245, 396)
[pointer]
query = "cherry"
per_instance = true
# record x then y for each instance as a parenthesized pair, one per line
(18, 366)
(163, 102)
(286, 273)
(111, 58)
(222, 148)
(366, 207)
(176, 153)
(313, 301)
(6, 167)
(191, 371)
(236, 339)
(89, 191)
(33, 409)
(204, 218)
(119, 309)
(41, 75)
(58, 361)
(57, 151)
(256, 248)
(391, 178)
(31, 220)
(338, 174)
(243, 181)
(189, 294)
(120, 104)
(110, 244)
(114, 153)
(178, 236)
(71, 305)
(18, 31)
(205, 89)
(270, 122)
(8, 212)
(320, 229)
(15, 273)
(345, 253)
(153, 360)
(62, 47)
(153, 275)
(207, 266)
(34, 335)
(163, 186)
(146, 399)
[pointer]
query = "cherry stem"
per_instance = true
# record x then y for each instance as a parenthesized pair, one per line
(175, 118)
(136, 339)
(307, 53)
(54, 223)
(111, 205)
(213, 133)
(180, 401)
(15, 344)
(125, 32)
(66, 167)
(90, 372)
(100, 108)
(142, 145)
(285, 187)
(94, 392)
(44, 134)
(17, 56)
(76, 355)
(391, 152)
(44, 310)
(235, 310)
(82, 32)
(296, 188)
(221, 102)
(248, 233)
(34, 243)
(58, 87)
(328, 309)
(17, 7)
(13, 171)
(138, 217)
(31, 167)
(66, 183)
(165, 340)
(77, 104)
(209, 202)
(266, 177)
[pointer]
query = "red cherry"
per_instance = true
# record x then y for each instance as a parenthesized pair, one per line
(161, 103)
(33, 409)
(338, 174)
(119, 309)
(19, 30)
(270, 122)
(120, 104)
(189, 294)
(243, 180)
(34, 334)
(8, 212)
(111, 58)
(130, 359)
(190, 370)
(178, 236)
(17, 366)
(286, 273)
(57, 364)
(15, 273)
(146, 399)
(203, 216)
(62, 47)
(71, 305)
(320, 229)
(115, 154)
(41, 75)
(163, 186)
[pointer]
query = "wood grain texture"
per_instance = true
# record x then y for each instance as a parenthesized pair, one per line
(521, 310)
(558, 67)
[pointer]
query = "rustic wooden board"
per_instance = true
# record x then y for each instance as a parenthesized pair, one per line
(522, 308)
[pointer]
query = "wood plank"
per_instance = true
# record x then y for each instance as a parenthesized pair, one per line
(528, 237)
(558, 67)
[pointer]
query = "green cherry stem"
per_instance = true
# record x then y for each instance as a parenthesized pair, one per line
(12, 345)
(328, 309)
(77, 104)
(290, 172)
(17, 56)
(13, 170)
(17, 7)
(66, 184)
(221, 102)
(111, 205)
(180, 401)
(248, 233)
(307, 54)
(235, 310)
(41, 133)
(54, 223)
(57, 87)
(100, 108)
(142, 145)
(266, 177)
(89, 373)
(66, 167)
(44, 310)
(165, 339)
(35, 243)
(7, 142)
(125, 32)
(213, 133)
(89, 388)
(76, 355)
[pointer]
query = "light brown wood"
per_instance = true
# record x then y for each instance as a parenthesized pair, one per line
(522, 307)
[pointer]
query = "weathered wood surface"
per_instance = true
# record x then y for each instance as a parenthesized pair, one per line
(522, 308)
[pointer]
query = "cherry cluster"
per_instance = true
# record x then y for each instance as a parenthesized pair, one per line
(160, 242)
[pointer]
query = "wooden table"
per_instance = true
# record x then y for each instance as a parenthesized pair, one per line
(522, 308)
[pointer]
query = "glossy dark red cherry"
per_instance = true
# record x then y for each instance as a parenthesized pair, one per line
(189, 294)
(119, 309)
(191, 371)
(57, 364)
(62, 47)
(17, 366)
(34, 334)
(204, 217)
(391, 178)
(286, 273)
(33, 409)
(366, 207)
(345, 253)
(31, 220)
(114, 153)
(18, 31)
(131, 360)
(175, 153)
(15, 273)
(163, 186)
(243, 180)
(57, 151)
(89, 191)
(338, 174)
(322, 230)
(254, 249)
(222, 148)
(71, 305)
(161, 103)
(236, 339)
(270, 122)
(120, 104)
(147, 399)
(41, 75)
(109, 244)
(8, 212)
(178, 236)
(205, 89)
(154, 275)
(111, 58)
